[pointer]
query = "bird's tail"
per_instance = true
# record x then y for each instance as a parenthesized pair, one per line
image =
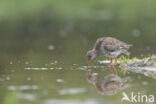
(124, 51)
(128, 46)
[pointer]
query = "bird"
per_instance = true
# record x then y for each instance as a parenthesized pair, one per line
(109, 47)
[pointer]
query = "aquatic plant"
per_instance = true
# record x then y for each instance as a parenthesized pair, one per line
(135, 64)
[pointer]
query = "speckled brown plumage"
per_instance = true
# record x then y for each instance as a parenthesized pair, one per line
(109, 47)
(110, 44)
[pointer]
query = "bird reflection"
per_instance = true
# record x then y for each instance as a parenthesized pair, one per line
(114, 68)
(108, 85)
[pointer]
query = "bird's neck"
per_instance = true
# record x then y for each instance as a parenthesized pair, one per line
(96, 52)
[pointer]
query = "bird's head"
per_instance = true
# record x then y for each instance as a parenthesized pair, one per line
(92, 78)
(90, 56)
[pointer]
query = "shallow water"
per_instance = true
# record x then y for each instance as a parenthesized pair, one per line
(57, 77)
(51, 70)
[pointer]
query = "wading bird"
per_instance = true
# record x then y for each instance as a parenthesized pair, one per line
(109, 47)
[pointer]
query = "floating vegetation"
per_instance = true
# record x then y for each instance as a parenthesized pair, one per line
(145, 66)
(125, 72)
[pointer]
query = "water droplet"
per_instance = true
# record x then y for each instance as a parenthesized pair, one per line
(144, 83)
(71, 91)
(136, 33)
(59, 68)
(26, 62)
(55, 62)
(51, 68)
(59, 80)
(28, 78)
(7, 78)
(11, 87)
(51, 47)
(29, 97)
(46, 64)
(27, 68)
(11, 62)
(95, 74)
(23, 87)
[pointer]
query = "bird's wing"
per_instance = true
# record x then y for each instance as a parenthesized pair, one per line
(113, 44)
(106, 42)
(119, 44)
(111, 47)
(109, 43)
(98, 44)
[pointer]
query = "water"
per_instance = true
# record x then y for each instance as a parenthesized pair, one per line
(47, 69)
(60, 77)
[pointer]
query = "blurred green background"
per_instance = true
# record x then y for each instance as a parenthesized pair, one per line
(27, 22)
(36, 33)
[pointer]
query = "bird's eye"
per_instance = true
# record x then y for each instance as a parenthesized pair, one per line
(89, 56)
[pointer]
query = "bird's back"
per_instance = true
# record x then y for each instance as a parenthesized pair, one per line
(110, 44)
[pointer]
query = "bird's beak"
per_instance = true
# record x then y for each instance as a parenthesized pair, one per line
(89, 72)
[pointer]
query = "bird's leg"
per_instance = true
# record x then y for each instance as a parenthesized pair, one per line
(116, 72)
(89, 72)
(110, 63)
(110, 69)
(109, 66)
(115, 61)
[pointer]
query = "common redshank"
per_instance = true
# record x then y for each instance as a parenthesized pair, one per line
(109, 47)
